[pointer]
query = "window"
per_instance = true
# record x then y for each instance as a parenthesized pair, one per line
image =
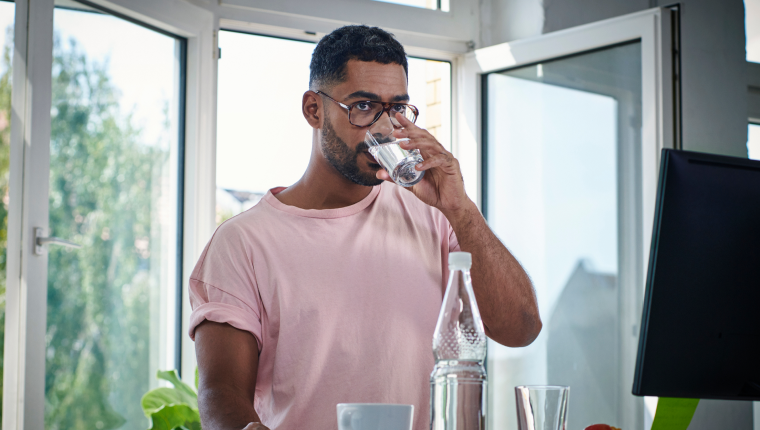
(442, 5)
(753, 141)
(115, 188)
(7, 12)
(259, 145)
(752, 29)
(561, 144)
(264, 145)
(430, 91)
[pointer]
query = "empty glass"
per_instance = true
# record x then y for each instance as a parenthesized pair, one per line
(542, 407)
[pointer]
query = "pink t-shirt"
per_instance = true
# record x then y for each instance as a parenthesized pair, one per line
(342, 302)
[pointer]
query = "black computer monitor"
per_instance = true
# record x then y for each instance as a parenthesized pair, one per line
(700, 325)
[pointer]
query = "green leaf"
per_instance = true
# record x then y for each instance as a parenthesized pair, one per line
(155, 399)
(175, 417)
(197, 379)
(171, 376)
(674, 414)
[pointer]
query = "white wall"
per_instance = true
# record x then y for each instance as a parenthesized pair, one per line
(525, 18)
(562, 14)
(714, 77)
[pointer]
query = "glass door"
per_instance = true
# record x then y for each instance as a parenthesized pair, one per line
(560, 153)
(96, 192)
(114, 190)
(111, 246)
(571, 127)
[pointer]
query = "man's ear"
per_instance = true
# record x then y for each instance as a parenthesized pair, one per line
(311, 107)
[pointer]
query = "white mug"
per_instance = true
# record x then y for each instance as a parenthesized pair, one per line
(374, 416)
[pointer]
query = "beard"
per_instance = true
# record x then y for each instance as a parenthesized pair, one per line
(344, 159)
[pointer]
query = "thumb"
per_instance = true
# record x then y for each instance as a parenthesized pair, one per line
(383, 175)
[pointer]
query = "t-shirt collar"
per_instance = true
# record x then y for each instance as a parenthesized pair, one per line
(355, 208)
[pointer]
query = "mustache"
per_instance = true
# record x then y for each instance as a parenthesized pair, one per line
(380, 139)
(361, 148)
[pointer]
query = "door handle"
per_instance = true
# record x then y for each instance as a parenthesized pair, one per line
(40, 241)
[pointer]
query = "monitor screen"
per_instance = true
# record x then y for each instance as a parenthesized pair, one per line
(700, 330)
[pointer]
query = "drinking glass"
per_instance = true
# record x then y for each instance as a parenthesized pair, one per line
(542, 407)
(398, 162)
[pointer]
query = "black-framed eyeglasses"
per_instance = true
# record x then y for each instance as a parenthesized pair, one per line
(366, 112)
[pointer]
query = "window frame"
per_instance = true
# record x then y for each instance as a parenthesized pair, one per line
(753, 118)
(438, 7)
(753, 92)
(25, 324)
(454, 31)
(26, 298)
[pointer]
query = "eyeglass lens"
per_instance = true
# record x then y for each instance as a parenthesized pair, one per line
(365, 113)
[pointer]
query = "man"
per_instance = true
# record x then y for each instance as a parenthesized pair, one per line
(328, 291)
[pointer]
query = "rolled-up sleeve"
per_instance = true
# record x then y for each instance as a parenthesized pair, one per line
(223, 285)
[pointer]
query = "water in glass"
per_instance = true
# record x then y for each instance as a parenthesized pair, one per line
(398, 162)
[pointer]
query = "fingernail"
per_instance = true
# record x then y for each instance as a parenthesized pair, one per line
(418, 166)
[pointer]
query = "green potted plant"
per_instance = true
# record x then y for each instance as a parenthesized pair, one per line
(172, 408)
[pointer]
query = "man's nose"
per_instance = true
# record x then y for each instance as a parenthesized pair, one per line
(384, 125)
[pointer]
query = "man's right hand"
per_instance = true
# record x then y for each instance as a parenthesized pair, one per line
(228, 362)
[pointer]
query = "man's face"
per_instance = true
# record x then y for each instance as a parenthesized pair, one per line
(342, 143)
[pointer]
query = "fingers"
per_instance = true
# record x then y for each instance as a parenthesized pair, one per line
(410, 129)
(433, 153)
(420, 138)
(404, 121)
(446, 162)
(382, 174)
(428, 147)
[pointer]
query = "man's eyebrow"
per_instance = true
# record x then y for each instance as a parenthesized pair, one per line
(366, 95)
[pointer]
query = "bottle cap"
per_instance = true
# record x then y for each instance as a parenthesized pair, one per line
(460, 260)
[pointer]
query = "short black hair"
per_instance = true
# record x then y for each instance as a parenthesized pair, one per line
(352, 42)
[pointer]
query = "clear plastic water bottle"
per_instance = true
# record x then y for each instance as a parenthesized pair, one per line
(458, 381)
